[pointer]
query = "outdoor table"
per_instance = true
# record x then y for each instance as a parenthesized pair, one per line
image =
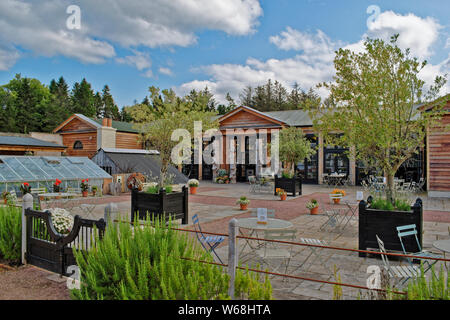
(444, 246)
(53, 198)
(251, 224)
(336, 179)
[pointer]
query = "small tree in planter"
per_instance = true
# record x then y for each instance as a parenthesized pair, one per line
(313, 206)
(293, 148)
(193, 185)
(243, 202)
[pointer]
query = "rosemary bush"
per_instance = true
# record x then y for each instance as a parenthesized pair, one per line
(10, 233)
(153, 262)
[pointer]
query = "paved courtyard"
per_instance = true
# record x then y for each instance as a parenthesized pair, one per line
(215, 205)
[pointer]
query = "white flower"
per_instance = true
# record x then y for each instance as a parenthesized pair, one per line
(193, 183)
(62, 220)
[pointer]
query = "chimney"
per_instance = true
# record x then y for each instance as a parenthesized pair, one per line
(107, 122)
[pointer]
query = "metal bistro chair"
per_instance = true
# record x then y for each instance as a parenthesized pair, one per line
(410, 230)
(276, 251)
(209, 243)
(254, 185)
(402, 272)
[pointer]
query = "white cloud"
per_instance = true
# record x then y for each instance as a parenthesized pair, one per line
(41, 26)
(140, 60)
(8, 57)
(314, 54)
(165, 71)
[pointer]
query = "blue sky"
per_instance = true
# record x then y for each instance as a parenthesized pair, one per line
(185, 44)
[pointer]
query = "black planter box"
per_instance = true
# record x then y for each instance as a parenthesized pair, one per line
(173, 205)
(384, 224)
(292, 186)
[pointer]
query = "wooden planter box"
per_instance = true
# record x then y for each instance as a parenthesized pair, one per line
(292, 186)
(173, 205)
(384, 224)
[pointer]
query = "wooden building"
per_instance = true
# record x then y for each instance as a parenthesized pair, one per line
(84, 136)
(438, 157)
(21, 144)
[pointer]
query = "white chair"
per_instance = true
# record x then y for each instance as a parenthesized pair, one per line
(74, 190)
(402, 272)
(254, 185)
(38, 191)
(273, 251)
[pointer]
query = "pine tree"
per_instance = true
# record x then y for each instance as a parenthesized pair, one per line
(83, 99)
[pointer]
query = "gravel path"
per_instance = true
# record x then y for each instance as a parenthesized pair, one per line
(31, 283)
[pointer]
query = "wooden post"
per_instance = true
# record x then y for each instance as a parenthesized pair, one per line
(133, 203)
(27, 203)
(185, 205)
(418, 210)
(361, 233)
(110, 213)
(232, 255)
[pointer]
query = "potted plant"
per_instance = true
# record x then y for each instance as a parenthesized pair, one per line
(5, 195)
(94, 190)
(25, 188)
(193, 185)
(84, 187)
(282, 194)
(337, 195)
(313, 206)
(56, 187)
(243, 202)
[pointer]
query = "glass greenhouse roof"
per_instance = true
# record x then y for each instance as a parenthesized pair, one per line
(28, 169)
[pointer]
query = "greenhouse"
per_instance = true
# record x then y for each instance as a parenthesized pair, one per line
(41, 172)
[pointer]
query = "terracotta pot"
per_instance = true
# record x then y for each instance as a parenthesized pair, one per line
(336, 201)
(244, 206)
(193, 190)
(283, 197)
(314, 210)
(84, 193)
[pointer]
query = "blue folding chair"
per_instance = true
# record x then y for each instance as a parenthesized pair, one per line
(209, 243)
(410, 230)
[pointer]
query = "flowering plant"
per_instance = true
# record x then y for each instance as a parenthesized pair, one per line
(280, 191)
(243, 200)
(5, 194)
(339, 191)
(56, 185)
(312, 204)
(84, 185)
(25, 188)
(62, 220)
(193, 183)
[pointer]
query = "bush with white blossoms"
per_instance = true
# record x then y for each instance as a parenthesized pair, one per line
(193, 183)
(62, 220)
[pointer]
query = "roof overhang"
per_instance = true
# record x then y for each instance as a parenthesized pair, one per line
(254, 112)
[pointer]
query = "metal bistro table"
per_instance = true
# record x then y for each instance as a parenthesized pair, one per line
(444, 246)
(54, 198)
(253, 225)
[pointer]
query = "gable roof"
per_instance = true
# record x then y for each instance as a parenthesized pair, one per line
(120, 125)
(148, 164)
(293, 118)
(98, 123)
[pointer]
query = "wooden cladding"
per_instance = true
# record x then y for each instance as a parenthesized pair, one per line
(89, 141)
(77, 125)
(125, 140)
(439, 157)
(244, 119)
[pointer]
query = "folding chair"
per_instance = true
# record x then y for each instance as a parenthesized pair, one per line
(314, 251)
(254, 185)
(410, 230)
(275, 251)
(209, 243)
(402, 272)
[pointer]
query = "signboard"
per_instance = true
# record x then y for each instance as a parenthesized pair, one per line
(262, 215)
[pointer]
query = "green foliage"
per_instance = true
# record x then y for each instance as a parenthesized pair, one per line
(10, 233)
(293, 148)
(155, 262)
(437, 287)
(383, 204)
(153, 189)
(374, 98)
(168, 189)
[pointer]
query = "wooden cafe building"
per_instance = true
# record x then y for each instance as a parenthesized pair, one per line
(432, 163)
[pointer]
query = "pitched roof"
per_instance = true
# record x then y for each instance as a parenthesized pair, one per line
(120, 125)
(148, 164)
(27, 141)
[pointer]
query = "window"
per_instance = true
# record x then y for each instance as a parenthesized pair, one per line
(107, 169)
(78, 145)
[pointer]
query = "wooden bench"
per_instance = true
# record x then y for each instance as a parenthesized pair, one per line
(38, 191)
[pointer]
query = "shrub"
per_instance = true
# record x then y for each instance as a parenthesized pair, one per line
(168, 189)
(10, 233)
(153, 189)
(133, 262)
(384, 204)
